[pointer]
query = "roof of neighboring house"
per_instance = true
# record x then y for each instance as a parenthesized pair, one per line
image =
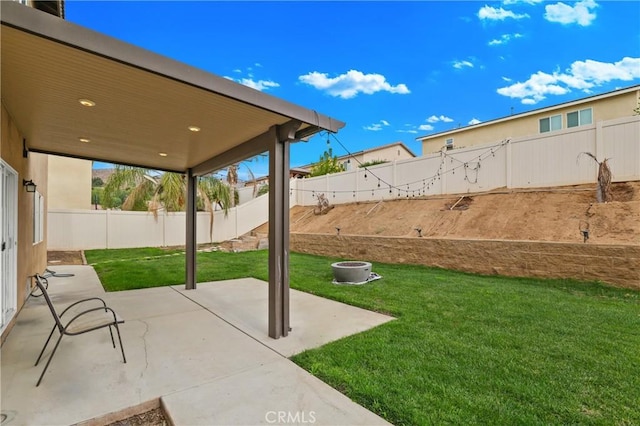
(378, 148)
(535, 111)
(365, 151)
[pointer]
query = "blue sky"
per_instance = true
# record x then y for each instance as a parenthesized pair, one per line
(392, 71)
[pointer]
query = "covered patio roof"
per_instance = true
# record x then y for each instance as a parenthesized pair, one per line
(143, 107)
(144, 102)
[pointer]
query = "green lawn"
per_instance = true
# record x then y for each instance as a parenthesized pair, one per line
(465, 349)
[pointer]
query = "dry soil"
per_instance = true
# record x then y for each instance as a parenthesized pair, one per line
(546, 214)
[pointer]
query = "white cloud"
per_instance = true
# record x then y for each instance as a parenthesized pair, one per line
(443, 118)
(461, 64)
(249, 80)
(407, 131)
(507, 79)
(260, 85)
(510, 2)
(351, 83)
(499, 14)
(375, 127)
(580, 13)
(425, 127)
(474, 121)
(582, 75)
(504, 38)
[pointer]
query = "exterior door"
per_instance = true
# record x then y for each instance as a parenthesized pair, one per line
(9, 242)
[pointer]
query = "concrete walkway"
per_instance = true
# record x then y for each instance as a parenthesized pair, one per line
(204, 355)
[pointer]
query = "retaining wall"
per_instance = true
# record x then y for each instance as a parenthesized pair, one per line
(614, 264)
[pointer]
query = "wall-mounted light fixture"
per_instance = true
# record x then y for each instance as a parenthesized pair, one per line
(31, 187)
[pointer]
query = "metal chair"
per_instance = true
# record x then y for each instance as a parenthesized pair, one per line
(82, 321)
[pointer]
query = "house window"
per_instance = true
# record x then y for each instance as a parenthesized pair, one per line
(580, 118)
(449, 144)
(550, 124)
(38, 217)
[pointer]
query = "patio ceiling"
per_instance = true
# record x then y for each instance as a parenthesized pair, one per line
(144, 102)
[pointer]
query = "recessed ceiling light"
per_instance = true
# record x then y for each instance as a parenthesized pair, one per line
(86, 102)
(162, 154)
(194, 128)
(85, 140)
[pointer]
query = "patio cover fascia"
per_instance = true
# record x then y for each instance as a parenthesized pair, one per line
(144, 104)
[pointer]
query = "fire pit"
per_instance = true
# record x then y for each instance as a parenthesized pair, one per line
(351, 272)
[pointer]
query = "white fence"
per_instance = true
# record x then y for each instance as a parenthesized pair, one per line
(538, 161)
(92, 229)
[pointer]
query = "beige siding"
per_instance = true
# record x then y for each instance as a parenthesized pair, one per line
(69, 183)
(621, 105)
(32, 258)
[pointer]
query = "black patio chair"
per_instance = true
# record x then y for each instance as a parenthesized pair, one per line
(84, 320)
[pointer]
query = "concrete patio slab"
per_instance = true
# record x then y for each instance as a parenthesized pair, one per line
(277, 392)
(315, 321)
(207, 367)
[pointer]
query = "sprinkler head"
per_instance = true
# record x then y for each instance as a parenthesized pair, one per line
(585, 235)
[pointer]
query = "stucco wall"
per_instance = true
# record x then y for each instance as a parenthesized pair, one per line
(69, 183)
(614, 264)
(605, 109)
(32, 258)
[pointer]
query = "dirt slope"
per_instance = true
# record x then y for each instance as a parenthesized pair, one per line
(555, 214)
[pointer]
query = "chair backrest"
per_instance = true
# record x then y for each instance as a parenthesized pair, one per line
(43, 289)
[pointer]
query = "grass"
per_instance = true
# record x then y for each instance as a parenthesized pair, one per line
(464, 348)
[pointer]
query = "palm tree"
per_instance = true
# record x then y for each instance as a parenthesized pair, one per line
(603, 191)
(152, 191)
(232, 179)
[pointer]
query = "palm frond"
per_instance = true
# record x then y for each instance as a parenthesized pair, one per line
(139, 195)
(123, 178)
(217, 192)
(589, 155)
(172, 191)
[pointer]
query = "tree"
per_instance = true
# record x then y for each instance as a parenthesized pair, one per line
(152, 191)
(232, 180)
(327, 164)
(603, 191)
(372, 163)
(96, 182)
(264, 189)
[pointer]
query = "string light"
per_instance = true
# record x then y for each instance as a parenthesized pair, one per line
(427, 182)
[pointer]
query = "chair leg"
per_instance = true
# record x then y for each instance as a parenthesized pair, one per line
(120, 340)
(49, 360)
(113, 342)
(45, 345)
